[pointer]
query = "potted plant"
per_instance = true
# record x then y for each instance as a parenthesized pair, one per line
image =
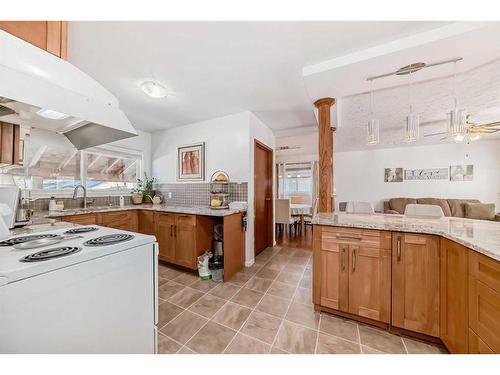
(145, 186)
(137, 195)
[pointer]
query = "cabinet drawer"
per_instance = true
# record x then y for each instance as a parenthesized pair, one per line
(85, 219)
(484, 269)
(185, 220)
(362, 237)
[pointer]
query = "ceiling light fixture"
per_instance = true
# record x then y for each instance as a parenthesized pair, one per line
(457, 117)
(411, 130)
(154, 89)
(51, 114)
(372, 127)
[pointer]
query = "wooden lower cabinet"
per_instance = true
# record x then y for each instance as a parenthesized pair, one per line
(84, 219)
(146, 222)
(453, 296)
(484, 302)
(124, 220)
(415, 283)
(182, 238)
(355, 272)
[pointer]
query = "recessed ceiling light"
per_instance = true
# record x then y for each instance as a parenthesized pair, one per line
(154, 89)
(51, 114)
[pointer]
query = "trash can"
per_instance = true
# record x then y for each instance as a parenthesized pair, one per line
(216, 267)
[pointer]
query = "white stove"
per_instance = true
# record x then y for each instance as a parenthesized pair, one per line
(94, 292)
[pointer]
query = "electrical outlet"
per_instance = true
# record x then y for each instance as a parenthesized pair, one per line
(169, 195)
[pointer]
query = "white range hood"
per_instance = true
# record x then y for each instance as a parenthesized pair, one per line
(36, 85)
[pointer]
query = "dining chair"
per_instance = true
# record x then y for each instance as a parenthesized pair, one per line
(355, 207)
(283, 218)
(424, 210)
(308, 218)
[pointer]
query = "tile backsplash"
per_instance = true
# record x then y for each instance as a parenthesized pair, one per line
(198, 194)
(189, 194)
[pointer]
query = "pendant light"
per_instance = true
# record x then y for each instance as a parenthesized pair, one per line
(412, 120)
(372, 127)
(457, 117)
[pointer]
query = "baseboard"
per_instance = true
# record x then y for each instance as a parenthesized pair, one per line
(249, 263)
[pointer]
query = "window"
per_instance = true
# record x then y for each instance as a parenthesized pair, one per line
(295, 181)
(52, 163)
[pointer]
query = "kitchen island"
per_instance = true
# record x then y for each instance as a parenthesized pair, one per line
(183, 232)
(436, 279)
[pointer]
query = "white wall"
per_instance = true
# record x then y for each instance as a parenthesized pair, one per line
(226, 147)
(308, 150)
(229, 145)
(258, 131)
(359, 175)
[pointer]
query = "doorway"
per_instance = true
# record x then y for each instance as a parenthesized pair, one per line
(263, 197)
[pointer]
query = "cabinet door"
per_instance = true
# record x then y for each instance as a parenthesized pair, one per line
(453, 296)
(185, 243)
(415, 283)
(118, 220)
(146, 222)
(370, 282)
(334, 286)
(484, 299)
(165, 226)
(478, 346)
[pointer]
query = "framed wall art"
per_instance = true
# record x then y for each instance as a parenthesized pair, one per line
(191, 162)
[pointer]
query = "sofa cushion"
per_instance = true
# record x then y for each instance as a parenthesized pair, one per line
(457, 206)
(481, 211)
(399, 204)
(443, 203)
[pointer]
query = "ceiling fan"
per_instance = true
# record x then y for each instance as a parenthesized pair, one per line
(472, 131)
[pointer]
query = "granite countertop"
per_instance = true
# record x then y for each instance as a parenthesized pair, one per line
(191, 210)
(480, 235)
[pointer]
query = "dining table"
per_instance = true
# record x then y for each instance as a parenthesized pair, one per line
(301, 210)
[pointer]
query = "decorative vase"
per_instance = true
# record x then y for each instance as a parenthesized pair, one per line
(137, 198)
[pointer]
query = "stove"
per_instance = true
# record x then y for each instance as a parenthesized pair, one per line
(48, 254)
(80, 230)
(22, 239)
(109, 239)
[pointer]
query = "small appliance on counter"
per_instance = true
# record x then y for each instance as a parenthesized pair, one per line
(219, 191)
(20, 213)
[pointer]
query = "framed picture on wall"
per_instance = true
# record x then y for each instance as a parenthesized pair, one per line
(393, 175)
(191, 162)
(461, 172)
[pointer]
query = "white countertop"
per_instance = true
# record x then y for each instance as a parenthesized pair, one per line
(480, 235)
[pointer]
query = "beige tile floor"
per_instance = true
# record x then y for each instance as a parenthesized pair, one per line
(263, 309)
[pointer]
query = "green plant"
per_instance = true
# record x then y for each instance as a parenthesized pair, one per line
(144, 186)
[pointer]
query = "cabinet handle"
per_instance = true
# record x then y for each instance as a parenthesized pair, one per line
(354, 260)
(398, 252)
(343, 258)
(343, 237)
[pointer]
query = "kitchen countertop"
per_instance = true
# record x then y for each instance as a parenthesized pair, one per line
(480, 235)
(190, 210)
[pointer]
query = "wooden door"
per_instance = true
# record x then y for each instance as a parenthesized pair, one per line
(165, 226)
(415, 283)
(263, 197)
(146, 222)
(334, 288)
(370, 282)
(185, 240)
(453, 296)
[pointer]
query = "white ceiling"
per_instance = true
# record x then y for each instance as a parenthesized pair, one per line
(213, 69)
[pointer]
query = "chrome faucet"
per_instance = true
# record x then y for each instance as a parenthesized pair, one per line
(75, 194)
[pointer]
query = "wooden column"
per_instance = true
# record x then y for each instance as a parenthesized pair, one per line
(325, 138)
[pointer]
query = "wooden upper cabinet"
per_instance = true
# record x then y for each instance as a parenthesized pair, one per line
(453, 296)
(51, 36)
(10, 146)
(484, 303)
(415, 283)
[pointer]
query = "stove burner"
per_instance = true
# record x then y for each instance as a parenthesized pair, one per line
(80, 230)
(22, 239)
(48, 254)
(109, 239)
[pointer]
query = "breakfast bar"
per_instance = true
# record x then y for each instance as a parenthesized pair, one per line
(436, 279)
